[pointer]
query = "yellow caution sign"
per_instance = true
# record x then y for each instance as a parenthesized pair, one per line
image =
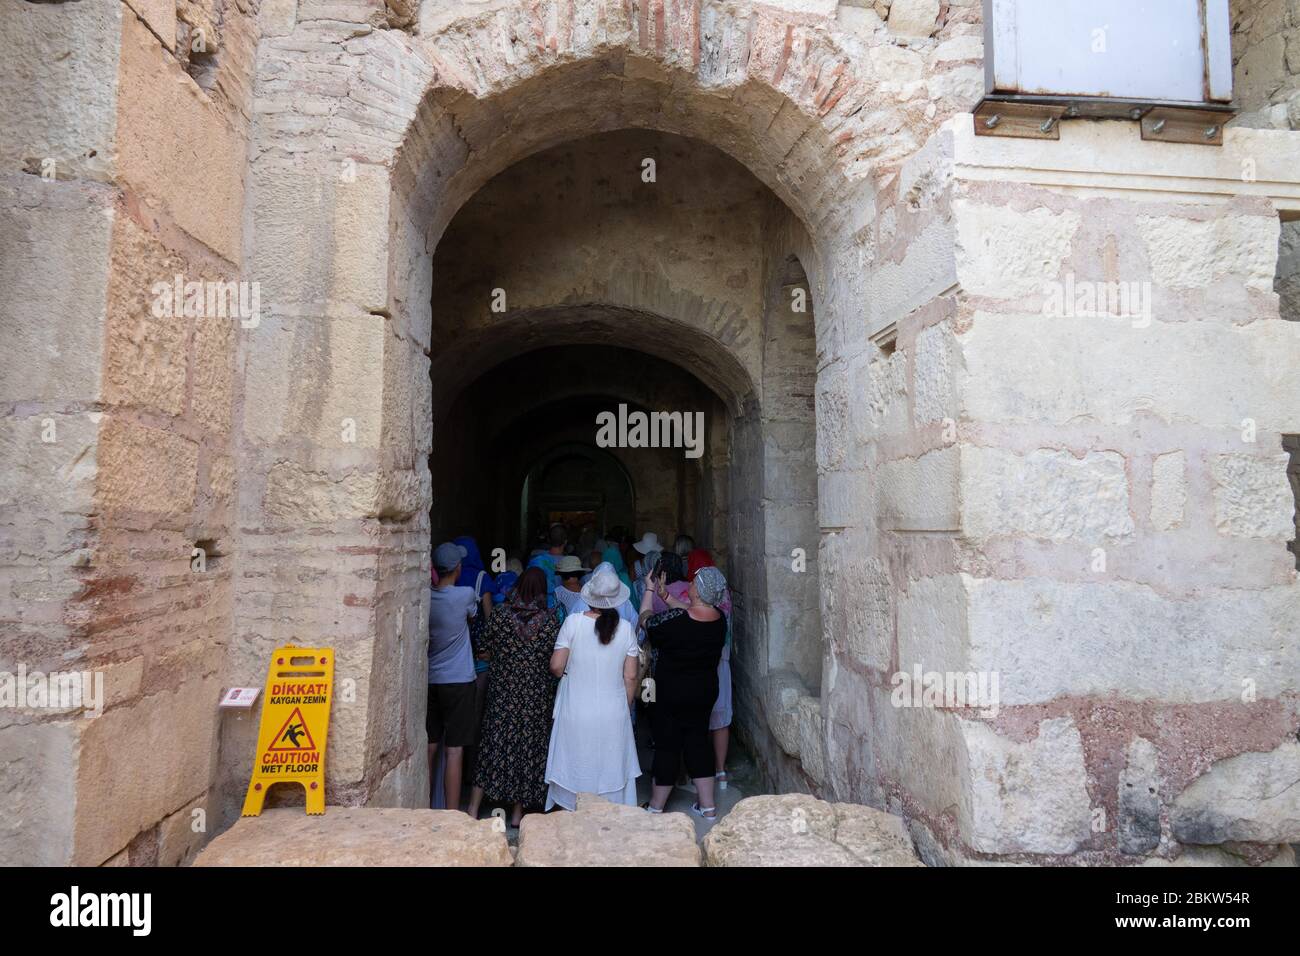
(295, 722)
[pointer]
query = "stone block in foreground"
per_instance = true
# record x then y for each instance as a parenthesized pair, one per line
(358, 836)
(600, 833)
(795, 829)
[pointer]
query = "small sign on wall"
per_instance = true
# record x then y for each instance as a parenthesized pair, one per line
(240, 698)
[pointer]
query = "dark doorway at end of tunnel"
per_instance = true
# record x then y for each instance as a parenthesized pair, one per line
(579, 486)
(519, 449)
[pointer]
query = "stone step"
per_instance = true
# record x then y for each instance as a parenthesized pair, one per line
(792, 829)
(358, 836)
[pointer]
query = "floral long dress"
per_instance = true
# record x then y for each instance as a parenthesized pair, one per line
(520, 699)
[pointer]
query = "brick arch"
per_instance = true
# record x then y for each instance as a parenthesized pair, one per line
(784, 94)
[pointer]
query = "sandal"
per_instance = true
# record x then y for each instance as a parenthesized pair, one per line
(708, 813)
(649, 809)
(723, 778)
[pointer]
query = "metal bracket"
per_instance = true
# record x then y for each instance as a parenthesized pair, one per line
(1040, 117)
(1202, 127)
(1024, 120)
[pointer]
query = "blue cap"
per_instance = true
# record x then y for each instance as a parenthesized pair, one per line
(447, 555)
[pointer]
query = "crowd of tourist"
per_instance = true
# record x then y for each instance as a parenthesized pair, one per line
(540, 671)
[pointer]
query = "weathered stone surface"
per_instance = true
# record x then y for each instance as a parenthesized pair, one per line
(146, 360)
(1285, 856)
(1252, 496)
(59, 98)
(146, 469)
(934, 397)
(1250, 798)
(913, 18)
(277, 17)
(1007, 253)
(1058, 495)
(1168, 490)
(130, 776)
(795, 829)
(359, 836)
(38, 803)
(1139, 800)
(200, 186)
(180, 836)
(1026, 797)
(1107, 371)
(295, 494)
(932, 628)
(1187, 253)
(921, 494)
(1028, 632)
(600, 833)
(54, 265)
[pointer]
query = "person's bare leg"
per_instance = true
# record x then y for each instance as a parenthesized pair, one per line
(721, 741)
(475, 801)
(433, 758)
(704, 787)
(455, 762)
(659, 796)
(516, 814)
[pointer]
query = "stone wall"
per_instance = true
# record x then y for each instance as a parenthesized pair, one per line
(1122, 495)
(118, 171)
(1266, 81)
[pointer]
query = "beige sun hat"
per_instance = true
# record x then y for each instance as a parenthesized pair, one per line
(569, 564)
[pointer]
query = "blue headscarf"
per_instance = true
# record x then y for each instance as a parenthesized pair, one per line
(615, 557)
(471, 565)
(505, 581)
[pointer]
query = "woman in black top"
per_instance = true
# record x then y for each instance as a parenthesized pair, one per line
(689, 641)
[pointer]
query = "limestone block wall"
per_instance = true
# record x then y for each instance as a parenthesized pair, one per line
(1266, 62)
(1123, 505)
(118, 170)
(1266, 76)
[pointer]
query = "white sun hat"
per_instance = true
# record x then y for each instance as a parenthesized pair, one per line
(603, 589)
(649, 542)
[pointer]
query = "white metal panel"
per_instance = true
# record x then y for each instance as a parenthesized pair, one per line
(1152, 50)
(1218, 38)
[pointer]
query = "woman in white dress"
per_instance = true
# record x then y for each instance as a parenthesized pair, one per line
(592, 746)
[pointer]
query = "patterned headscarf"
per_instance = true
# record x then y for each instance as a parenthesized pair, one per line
(710, 585)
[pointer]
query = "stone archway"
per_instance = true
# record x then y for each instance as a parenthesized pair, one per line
(674, 259)
(389, 179)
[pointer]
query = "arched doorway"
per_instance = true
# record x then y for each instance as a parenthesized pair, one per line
(638, 273)
(409, 345)
(580, 486)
